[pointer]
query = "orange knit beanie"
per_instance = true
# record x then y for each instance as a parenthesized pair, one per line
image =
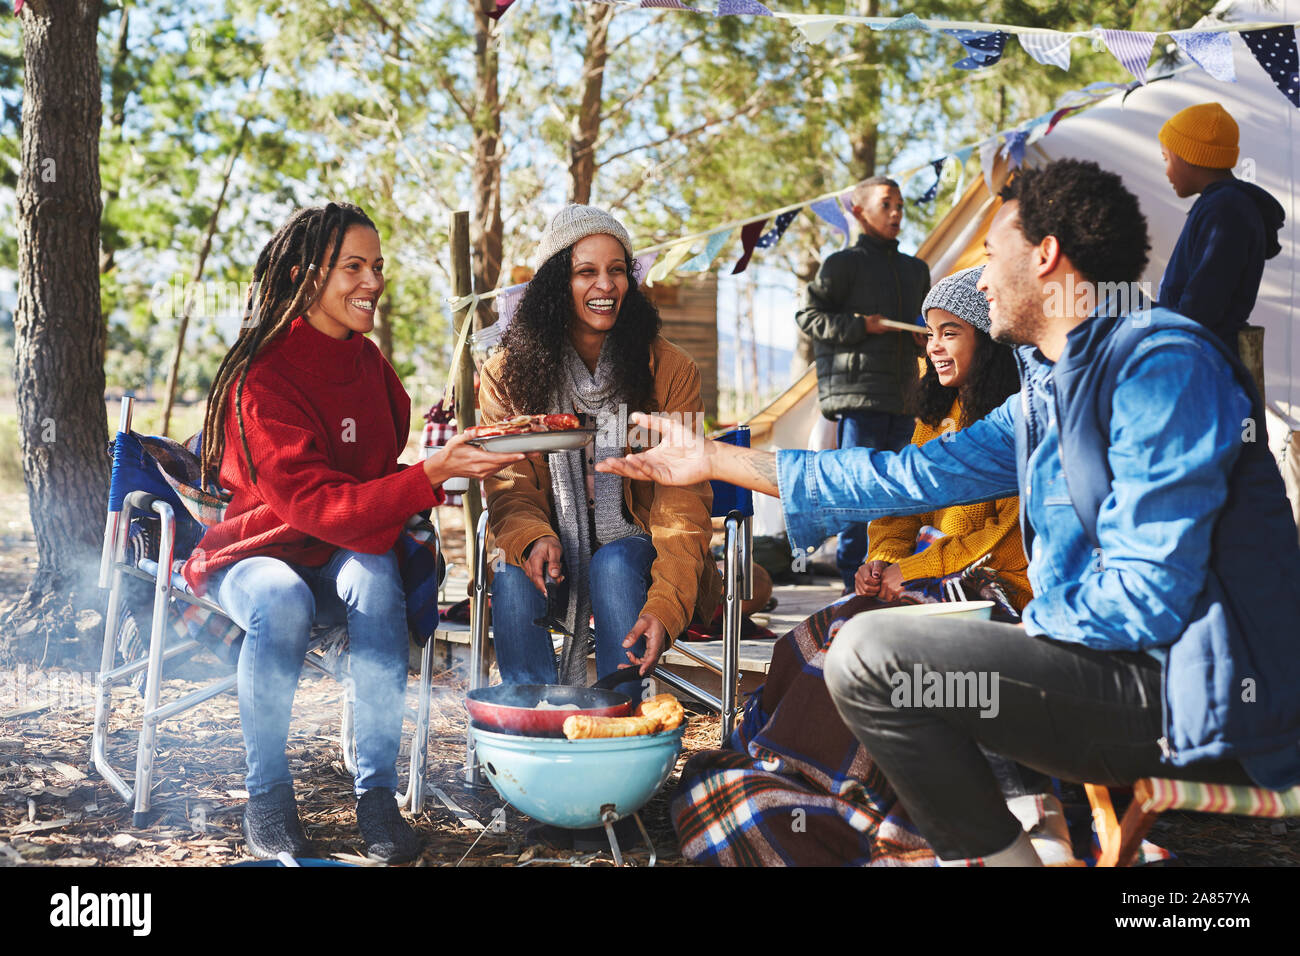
(1203, 135)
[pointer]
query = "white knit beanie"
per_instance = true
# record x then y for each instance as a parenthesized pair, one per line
(575, 222)
(958, 295)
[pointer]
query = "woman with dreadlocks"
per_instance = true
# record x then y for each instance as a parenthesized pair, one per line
(304, 425)
(635, 555)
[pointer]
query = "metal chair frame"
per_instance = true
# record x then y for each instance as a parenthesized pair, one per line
(321, 654)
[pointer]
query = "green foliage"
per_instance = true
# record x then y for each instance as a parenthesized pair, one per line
(704, 120)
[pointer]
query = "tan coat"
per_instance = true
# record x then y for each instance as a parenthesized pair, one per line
(683, 576)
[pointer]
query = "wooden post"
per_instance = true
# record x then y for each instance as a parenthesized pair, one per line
(1250, 346)
(463, 373)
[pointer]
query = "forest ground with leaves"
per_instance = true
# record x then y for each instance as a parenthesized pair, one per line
(56, 811)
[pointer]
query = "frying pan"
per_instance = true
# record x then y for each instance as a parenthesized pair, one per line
(510, 708)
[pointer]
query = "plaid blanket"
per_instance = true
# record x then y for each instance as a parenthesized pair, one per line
(783, 796)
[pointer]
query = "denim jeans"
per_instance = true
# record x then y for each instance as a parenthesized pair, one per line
(620, 579)
(881, 431)
(276, 604)
(1072, 712)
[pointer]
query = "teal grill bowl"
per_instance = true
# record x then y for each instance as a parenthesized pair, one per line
(571, 783)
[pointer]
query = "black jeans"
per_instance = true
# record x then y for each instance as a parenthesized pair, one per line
(1069, 711)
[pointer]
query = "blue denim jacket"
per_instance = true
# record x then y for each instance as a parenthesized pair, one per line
(1171, 463)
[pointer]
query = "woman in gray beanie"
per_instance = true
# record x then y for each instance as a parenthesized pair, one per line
(632, 554)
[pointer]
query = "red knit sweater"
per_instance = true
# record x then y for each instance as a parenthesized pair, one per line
(325, 421)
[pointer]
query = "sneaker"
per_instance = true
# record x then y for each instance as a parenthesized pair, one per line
(271, 825)
(389, 838)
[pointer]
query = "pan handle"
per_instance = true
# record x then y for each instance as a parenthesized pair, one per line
(620, 676)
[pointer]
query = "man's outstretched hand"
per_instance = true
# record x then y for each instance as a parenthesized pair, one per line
(682, 457)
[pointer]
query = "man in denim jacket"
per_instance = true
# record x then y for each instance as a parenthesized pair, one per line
(1162, 637)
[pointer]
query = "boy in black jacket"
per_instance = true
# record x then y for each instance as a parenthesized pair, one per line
(1214, 273)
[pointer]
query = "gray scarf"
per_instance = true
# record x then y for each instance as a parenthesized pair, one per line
(594, 395)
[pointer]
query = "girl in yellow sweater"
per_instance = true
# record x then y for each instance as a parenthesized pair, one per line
(967, 375)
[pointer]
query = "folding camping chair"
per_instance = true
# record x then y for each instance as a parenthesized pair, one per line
(736, 506)
(142, 497)
(1152, 796)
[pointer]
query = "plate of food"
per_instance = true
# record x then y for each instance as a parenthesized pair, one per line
(528, 433)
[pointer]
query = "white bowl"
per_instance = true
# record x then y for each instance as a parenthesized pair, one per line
(976, 610)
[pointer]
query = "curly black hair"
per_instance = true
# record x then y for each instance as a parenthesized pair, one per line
(1097, 221)
(993, 378)
(533, 371)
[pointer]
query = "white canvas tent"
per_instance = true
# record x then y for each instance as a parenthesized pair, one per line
(1119, 134)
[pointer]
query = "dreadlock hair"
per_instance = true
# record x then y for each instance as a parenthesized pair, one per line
(993, 377)
(538, 333)
(275, 298)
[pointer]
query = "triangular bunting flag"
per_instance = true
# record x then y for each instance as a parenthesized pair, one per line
(908, 21)
(814, 29)
(831, 213)
(749, 234)
(985, 47)
(508, 303)
(1015, 147)
(643, 264)
(1132, 48)
(1048, 48)
(730, 8)
(1058, 116)
(711, 249)
(502, 7)
(770, 238)
(929, 194)
(988, 153)
(670, 261)
(1212, 52)
(1275, 50)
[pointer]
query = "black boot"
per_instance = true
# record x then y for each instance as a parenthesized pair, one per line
(271, 825)
(389, 838)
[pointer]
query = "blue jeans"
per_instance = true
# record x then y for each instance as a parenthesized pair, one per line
(620, 580)
(881, 431)
(276, 604)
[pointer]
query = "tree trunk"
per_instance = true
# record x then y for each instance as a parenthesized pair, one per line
(586, 125)
(59, 331)
(384, 326)
(486, 227)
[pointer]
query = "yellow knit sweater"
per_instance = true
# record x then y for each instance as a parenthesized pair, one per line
(970, 532)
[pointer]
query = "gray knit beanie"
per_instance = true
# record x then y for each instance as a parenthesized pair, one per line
(957, 294)
(575, 222)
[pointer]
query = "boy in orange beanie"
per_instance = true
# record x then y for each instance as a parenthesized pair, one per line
(1214, 273)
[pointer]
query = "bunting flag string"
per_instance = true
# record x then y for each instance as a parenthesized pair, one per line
(749, 236)
(828, 207)
(1208, 47)
(1275, 49)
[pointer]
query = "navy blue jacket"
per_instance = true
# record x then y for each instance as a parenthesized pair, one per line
(1214, 272)
(1232, 681)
